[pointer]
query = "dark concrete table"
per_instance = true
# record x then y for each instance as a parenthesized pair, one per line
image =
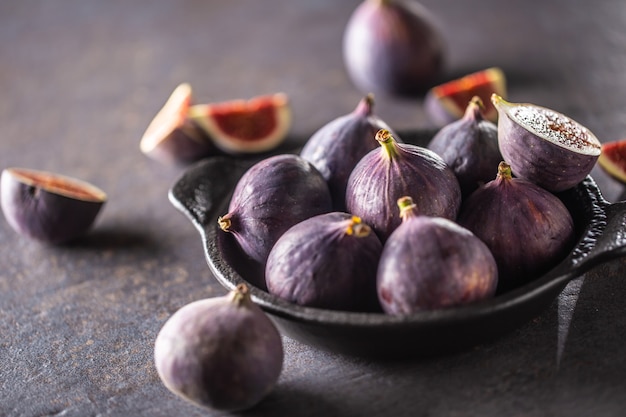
(79, 82)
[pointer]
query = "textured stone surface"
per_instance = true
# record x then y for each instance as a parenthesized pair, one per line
(80, 81)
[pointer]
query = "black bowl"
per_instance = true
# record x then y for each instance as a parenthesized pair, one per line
(203, 193)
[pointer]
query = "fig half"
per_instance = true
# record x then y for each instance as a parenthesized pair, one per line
(527, 228)
(273, 195)
(544, 146)
(327, 261)
(613, 159)
(431, 263)
(446, 103)
(222, 353)
(49, 207)
(395, 170)
(246, 126)
(173, 136)
(338, 146)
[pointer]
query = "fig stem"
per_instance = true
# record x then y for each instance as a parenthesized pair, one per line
(366, 105)
(407, 208)
(388, 143)
(474, 109)
(224, 222)
(357, 228)
(504, 171)
(240, 294)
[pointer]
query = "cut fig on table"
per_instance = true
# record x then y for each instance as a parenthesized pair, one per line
(613, 159)
(172, 137)
(446, 102)
(256, 125)
(545, 146)
(48, 207)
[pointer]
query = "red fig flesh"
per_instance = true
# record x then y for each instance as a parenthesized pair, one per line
(613, 159)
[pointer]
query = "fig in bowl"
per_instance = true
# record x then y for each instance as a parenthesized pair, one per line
(545, 146)
(49, 207)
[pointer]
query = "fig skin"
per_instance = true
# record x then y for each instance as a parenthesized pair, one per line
(528, 229)
(552, 165)
(327, 261)
(338, 146)
(431, 263)
(469, 146)
(393, 47)
(395, 170)
(222, 353)
(273, 195)
(49, 207)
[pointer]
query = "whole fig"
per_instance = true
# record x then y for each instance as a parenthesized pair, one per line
(393, 47)
(544, 146)
(271, 196)
(327, 261)
(338, 146)
(527, 228)
(223, 353)
(431, 263)
(470, 147)
(395, 170)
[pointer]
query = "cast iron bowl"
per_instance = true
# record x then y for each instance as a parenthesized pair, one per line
(203, 192)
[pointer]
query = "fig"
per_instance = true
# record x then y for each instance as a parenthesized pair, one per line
(445, 103)
(327, 261)
(395, 170)
(393, 47)
(431, 263)
(470, 147)
(256, 125)
(613, 159)
(173, 136)
(544, 146)
(338, 146)
(222, 353)
(49, 207)
(273, 195)
(527, 228)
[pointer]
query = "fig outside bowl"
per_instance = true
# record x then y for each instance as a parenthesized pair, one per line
(203, 192)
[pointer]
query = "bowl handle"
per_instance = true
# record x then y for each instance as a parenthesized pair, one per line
(607, 242)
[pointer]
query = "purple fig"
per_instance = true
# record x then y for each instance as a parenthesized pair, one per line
(393, 47)
(222, 353)
(469, 146)
(338, 146)
(544, 146)
(273, 195)
(328, 261)
(527, 228)
(431, 263)
(49, 207)
(395, 170)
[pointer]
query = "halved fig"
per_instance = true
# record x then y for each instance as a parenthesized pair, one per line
(48, 207)
(544, 146)
(173, 137)
(246, 126)
(613, 159)
(446, 102)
